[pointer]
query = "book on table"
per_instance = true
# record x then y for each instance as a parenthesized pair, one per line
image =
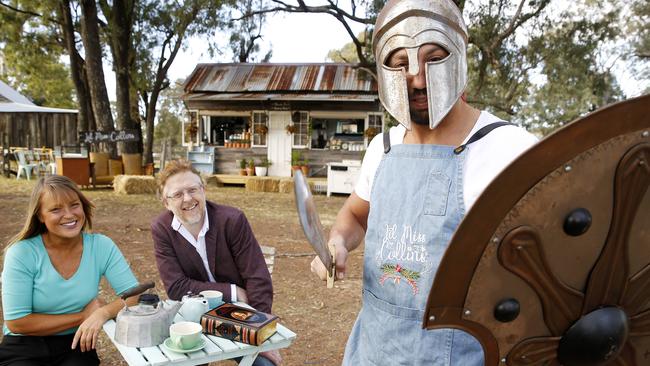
(239, 324)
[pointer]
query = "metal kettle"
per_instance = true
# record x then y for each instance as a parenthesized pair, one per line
(147, 323)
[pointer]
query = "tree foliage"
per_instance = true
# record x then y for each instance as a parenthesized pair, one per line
(246, 31)
(140, 38)
(164, 27)
(574, 83)
(637, 35)
(529, 61)
(170, 115)
(32, 57)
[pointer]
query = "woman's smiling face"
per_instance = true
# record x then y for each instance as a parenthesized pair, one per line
(62, 214)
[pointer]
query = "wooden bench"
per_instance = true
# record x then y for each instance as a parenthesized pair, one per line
(269, 256)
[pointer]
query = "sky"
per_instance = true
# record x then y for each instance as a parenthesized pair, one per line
(292, 37)
(297, 37)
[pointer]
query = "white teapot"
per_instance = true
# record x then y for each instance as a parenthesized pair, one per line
(193, 307)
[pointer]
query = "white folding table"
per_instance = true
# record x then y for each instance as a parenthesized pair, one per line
(216, 349)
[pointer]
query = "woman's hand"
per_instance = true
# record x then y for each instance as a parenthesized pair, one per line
(95, 315)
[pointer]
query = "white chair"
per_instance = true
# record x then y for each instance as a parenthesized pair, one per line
(24, 166)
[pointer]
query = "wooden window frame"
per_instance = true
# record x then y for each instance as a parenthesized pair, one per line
(303, 130)
(254, 124)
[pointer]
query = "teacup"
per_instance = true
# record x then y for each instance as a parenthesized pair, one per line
(185, 335)
(215, 298)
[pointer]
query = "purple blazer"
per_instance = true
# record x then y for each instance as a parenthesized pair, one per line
(234, 257)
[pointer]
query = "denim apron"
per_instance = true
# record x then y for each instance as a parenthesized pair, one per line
(416, 204)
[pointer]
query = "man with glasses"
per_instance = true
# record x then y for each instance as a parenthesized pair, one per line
(201, 245)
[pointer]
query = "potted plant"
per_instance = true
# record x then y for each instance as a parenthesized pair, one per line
(191, 131)
(304, 166)
(291, 128)
(261, 129)
(246, 144)
(242, 166)
(296, 159)
(370, 132)
(262, 168)
(250, 170)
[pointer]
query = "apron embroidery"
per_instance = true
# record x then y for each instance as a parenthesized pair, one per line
(409, 251)
(396, 272)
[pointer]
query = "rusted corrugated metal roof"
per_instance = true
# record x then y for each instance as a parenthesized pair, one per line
(270, 78)
(331, 97)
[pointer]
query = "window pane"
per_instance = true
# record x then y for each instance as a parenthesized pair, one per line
(301, 137)
(260, 128)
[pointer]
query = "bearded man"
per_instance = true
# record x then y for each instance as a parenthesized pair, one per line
(417, 182)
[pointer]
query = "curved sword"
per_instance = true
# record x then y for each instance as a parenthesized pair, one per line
(312, 226)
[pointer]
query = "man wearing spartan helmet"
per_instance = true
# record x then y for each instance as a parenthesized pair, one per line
(417, 182)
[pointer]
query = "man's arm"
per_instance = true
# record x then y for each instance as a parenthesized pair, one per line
(347, 233)
(250, 263)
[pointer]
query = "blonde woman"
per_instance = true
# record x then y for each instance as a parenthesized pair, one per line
(50, 280)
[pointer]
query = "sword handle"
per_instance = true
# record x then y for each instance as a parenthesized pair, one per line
(331, 273)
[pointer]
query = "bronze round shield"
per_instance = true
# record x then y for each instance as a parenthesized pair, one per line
(552, 264)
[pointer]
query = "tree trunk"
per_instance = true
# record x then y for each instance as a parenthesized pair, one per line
(150, 116)
(120, 25)
(95, 73)
(86, 120)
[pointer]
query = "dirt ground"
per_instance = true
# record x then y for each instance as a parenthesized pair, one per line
(321, 318)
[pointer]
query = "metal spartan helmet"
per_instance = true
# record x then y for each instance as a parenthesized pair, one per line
(410, 24)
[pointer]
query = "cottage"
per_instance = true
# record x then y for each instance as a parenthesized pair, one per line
(320, 112)
(22, 123)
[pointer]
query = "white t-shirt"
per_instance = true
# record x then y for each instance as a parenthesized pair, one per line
(485, 159)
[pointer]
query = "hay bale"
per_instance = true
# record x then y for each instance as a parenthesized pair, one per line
(272, 185)
(255, 184)
(134, 184)
(286, 185)
(262, 184)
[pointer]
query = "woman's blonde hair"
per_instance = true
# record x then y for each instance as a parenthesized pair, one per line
(56, 185)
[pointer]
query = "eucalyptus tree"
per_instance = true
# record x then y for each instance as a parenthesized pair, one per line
(531, 61)
(32, 58)
(162, 28)
(142, 36)
(245, 31)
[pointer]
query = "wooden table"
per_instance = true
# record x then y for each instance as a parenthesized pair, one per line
(216, 349)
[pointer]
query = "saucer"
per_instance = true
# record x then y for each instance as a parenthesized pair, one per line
(170, 346)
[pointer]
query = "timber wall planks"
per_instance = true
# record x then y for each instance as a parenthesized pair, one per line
(38, 129)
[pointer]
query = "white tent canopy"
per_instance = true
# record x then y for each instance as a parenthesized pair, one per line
(13, 102)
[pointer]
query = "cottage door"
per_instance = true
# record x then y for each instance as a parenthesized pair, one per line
(279, 144)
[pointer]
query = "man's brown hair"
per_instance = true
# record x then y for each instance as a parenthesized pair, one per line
(172, 168)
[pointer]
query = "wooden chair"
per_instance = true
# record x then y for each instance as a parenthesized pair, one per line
(133, 165)
(104, 168)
